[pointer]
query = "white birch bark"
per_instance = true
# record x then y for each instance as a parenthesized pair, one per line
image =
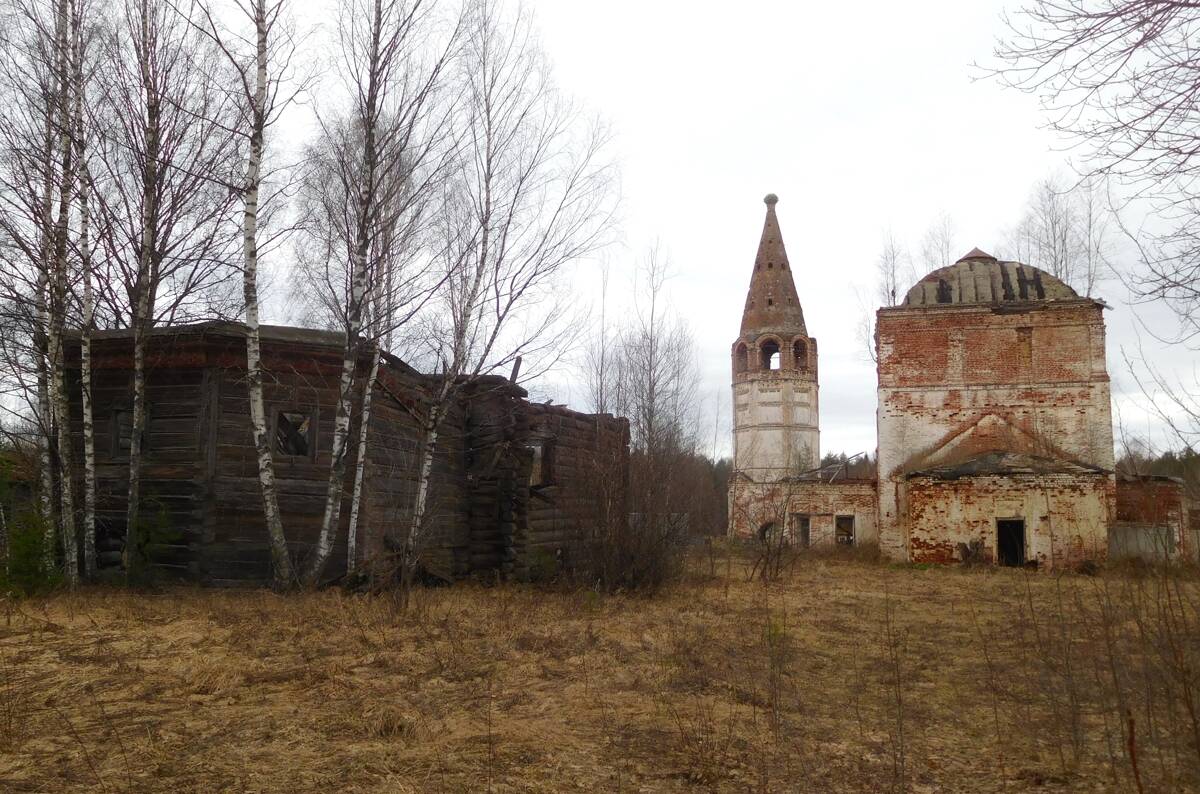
(3, 540)
(337, 467)
(45, 464)
(45, 410)
(412, 544)
(364, 213)
(280, 558)
(142, 318)
(58, 302)
(79, 146)
(89, 318)
(360, 466)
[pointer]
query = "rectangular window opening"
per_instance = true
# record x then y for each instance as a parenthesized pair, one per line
(121, 433)
(844, 530)
(293, 433)
(542, 468)
(801, 531)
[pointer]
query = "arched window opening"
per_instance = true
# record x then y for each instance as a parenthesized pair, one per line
(770, 354)
(741, 359)
(800, 354)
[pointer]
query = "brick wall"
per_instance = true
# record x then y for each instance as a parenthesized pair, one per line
(753, 505)
(1147, 503)
(1066, 516)
(957, 380)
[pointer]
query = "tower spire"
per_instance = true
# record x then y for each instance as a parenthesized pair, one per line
(771, 302)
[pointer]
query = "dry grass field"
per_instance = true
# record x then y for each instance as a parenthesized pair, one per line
(843, 676)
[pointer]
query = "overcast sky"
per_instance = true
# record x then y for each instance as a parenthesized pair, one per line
(861, 117)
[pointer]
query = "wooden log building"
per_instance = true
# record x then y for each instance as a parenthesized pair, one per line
(518, 488)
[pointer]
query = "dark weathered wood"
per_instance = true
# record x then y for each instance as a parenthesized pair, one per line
(200, 474)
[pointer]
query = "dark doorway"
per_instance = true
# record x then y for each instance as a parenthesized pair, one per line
(1010, 541)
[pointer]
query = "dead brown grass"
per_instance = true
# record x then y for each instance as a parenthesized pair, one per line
(847, 676)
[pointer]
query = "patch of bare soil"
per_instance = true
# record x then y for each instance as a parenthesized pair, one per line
(846, 676)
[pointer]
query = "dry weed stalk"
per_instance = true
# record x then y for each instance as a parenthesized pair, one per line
(895, 641)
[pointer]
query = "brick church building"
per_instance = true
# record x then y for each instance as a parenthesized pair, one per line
(993, 416)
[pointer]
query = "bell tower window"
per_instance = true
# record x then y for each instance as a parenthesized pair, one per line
(800, 354)
(770, 354)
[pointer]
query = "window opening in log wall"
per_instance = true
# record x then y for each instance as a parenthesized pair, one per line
(293, 433)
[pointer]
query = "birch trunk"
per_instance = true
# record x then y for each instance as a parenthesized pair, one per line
(45, 411)
(360, 467)
(431, 431)
(337, 468)
(58, 301)
(412, 543)
(364, 216)
(131, 555)
(3, 541)
(89, 308)
(280, 558)
(45, 463)
(144, 287)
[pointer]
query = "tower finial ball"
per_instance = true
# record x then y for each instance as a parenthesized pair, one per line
(771, 199)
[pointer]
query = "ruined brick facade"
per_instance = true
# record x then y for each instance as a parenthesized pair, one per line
(1154, 519)
(989, 357)
(776, 429)
(813, 512)
(1060, 508)
(994, 423)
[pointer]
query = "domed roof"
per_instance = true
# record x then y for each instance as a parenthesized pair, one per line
(982, 278)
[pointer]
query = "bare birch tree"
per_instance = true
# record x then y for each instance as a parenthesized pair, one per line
(164, 132)
(259, 53)
(63, 113)
(81, 133)
(938, 243)
(375, 171)
(599, 356)
(530, 197)
(1065, 231)
(38, 191)
(894, 273)
(1119, 79)
(656, 382)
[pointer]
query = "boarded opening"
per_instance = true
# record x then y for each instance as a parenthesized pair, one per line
(844, 530)
(800, 529)
(1010, 541)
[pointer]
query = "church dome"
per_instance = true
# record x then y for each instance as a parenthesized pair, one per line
(980, 278)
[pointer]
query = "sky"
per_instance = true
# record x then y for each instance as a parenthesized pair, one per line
(862, 118)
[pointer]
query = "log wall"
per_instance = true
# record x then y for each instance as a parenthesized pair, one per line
(202, 501)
